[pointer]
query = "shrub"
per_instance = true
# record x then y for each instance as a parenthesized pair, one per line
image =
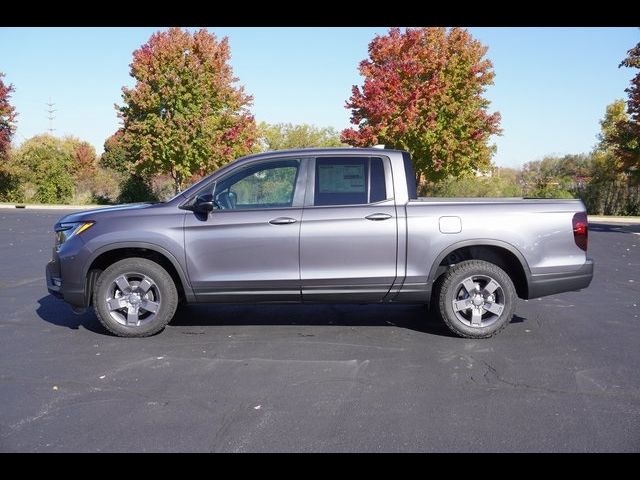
(11, 185)
(103, 187)
(45, 165)
(55, 183)
(136, 189)
(473, 187)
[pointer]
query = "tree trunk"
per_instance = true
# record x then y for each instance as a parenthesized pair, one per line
(177, 182)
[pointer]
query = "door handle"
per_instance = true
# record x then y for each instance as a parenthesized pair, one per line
(282, 221)
(378, 216)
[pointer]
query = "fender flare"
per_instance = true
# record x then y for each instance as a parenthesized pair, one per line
(480, 242)
(188, 291)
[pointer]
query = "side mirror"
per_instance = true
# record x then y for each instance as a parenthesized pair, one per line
(204, 203)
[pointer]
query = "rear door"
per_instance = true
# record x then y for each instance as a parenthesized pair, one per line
(349, 231)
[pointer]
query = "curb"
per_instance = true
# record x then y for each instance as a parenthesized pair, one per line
(50, 207)
(599, 219)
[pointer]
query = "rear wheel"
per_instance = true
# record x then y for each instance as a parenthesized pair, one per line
(476, 299)
(135, 297)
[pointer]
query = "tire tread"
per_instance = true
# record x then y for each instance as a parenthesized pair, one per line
(162, 279)
(469, 267)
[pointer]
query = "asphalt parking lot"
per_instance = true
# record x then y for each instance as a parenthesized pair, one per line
(563, 376)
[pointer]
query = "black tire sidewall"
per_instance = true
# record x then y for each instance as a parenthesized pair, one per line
(447, 289)
(164, 283)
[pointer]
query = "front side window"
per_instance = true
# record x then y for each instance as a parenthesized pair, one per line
(349, 181)
(265, 185)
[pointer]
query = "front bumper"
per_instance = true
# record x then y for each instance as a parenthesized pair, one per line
(551, 283)
(54, 282)
(64, 273)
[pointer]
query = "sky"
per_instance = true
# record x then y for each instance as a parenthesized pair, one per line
(552, 85)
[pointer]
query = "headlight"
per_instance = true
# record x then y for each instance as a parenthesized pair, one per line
(66, 230)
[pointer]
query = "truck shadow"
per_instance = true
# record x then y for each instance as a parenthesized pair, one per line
(411, 317)
(55, 311)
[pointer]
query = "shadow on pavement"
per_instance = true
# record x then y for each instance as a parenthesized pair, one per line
(55, 311)
(411, 317)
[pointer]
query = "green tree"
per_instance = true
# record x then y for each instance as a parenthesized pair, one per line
(136, 188)
(46, 164)
(554, 177)
(620, 133)
(114, 156)
(613, 188)
(423, 92)
(606, 191)
(281, 136)
(133, 187)
(184, 116)
(617, 137)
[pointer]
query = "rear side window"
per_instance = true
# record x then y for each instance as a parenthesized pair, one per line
(378, 186)
(349, 181)
(412, 181)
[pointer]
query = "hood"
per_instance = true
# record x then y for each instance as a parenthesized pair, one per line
(106, 211)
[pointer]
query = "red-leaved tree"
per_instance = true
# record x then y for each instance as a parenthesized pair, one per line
(629, 143)
(7, 117)
(85, 160)
(423, 92)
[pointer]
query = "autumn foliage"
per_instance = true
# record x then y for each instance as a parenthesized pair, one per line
(423, 92)
(7, 117)
(626, 138)
(184, 116)
(633, 61)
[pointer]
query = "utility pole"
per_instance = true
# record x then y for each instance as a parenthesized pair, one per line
(50, 110)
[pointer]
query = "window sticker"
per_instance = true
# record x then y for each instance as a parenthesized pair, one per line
(341, 178)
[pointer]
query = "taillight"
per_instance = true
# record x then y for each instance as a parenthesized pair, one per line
(581, 230)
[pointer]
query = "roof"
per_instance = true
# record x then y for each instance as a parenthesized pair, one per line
(318, 151)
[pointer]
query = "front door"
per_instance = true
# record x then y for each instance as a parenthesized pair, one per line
(247, 250)
(349, 234)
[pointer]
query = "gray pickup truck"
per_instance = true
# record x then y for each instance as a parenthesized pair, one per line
(319, 226)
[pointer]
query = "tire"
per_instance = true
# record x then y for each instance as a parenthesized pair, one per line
(135, 297)
(475, 299)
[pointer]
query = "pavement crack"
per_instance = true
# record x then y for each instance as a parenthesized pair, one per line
(491, 376)
(537, 320)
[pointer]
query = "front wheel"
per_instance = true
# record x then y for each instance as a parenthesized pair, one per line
(135, 297)
(476, 299)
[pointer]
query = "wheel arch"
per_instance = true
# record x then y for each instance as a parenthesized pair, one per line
(109, 254)
(501, 253)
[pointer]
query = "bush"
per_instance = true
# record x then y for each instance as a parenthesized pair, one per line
(136, 189)
(11, 186)
(550, 191)
(55, 183)
(103, 187)
(474, 187)
(44, 166)
(163, 187)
